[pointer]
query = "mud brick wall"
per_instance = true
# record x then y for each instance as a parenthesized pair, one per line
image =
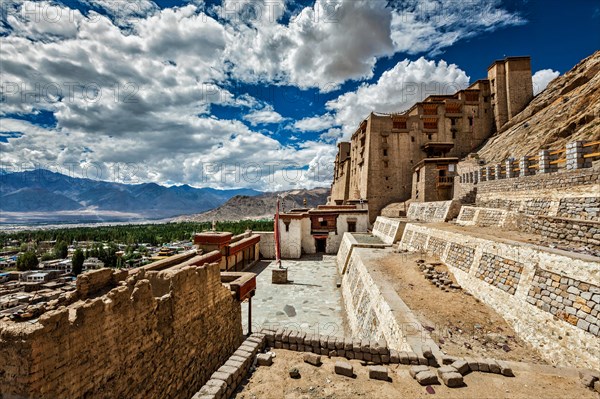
(514, 279)
(155, 335)
(574, 301)
(500, 272)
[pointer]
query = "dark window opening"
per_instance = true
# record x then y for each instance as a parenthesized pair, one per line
(412, 138)
(429, 136)
(287, 226)
(323, 223)
(385, 153)
(352, 227)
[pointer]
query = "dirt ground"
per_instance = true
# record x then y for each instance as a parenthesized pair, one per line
(460, 324)
(321, 382)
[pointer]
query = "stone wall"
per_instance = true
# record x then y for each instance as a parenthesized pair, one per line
(439, 211)
(485, 217)
(369, 315)
(548, 296)
(572, 231)
(388, 230)
(565, 194)
(155, 335)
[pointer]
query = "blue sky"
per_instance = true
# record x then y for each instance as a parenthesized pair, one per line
(247, 93)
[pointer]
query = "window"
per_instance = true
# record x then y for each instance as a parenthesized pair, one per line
(470, 121)
(429, 137)
(453, 121)
(323, 223)
(362, 142)
(418, 176)
(351, 227)
(287, 226)
(453, 134)
(412, 138)
(399, 124)
(385, 154)
(386, 164)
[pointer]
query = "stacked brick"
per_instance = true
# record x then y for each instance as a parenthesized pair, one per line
(419, 240)
(228, 377)
(467, 214)
(500, 272)
(576, 302)
(368, 350)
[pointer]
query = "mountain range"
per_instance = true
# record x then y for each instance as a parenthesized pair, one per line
(261, 206)
(54, 196)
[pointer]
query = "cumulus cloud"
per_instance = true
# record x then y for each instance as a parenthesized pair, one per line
(266, 115)
(542, 78)
(136, 84)
(397, 90)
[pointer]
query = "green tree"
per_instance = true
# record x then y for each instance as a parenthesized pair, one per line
(27, 261)
(77, 262)
(61, 250)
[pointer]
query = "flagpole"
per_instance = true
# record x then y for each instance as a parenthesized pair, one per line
(277, 236)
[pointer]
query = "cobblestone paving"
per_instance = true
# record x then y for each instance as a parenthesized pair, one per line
(311, 302)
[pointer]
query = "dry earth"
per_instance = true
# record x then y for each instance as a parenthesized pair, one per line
(460, 324)
(274, 383)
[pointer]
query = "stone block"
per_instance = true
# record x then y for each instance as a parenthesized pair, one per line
(376, 359)
(505, 369)
(588, 379)
(348, 346)
(483, 366)
(367, 357)
(446, 369)
(403, 358)
(461, 366)
(220, 375)
(344, 368)
(473, 365)
(394, 357)
(427, 378)
(452, 380)
(597, 386)
(264, 359)
(494, 367)
(378, 373)
(413, 371)
(313, 359)
(447, 359)
(423, 361)
(433, 362)
(385, 359)
(413, 358)
(294, 373)
(365, 346)
(427, 352)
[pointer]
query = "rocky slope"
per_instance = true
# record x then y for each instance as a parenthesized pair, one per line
(569, 109)
(260, 206)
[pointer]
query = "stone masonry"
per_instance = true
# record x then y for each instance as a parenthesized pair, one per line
(500, 272)
(152, 335)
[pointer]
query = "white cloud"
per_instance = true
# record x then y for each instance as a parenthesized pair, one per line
(315, 123)
(265, 116)
(542, 78)
(397, 90)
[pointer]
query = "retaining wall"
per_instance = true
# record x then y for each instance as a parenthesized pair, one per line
(550, 297)
(438, 211)
(388, 230)
(154, 335)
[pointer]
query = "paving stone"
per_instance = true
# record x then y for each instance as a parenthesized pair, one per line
(344, 368)
(264, 359)
(378, 373)
(413, 371)
(452, 380)
(313, 359)
(461, 366)
(427, 378)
